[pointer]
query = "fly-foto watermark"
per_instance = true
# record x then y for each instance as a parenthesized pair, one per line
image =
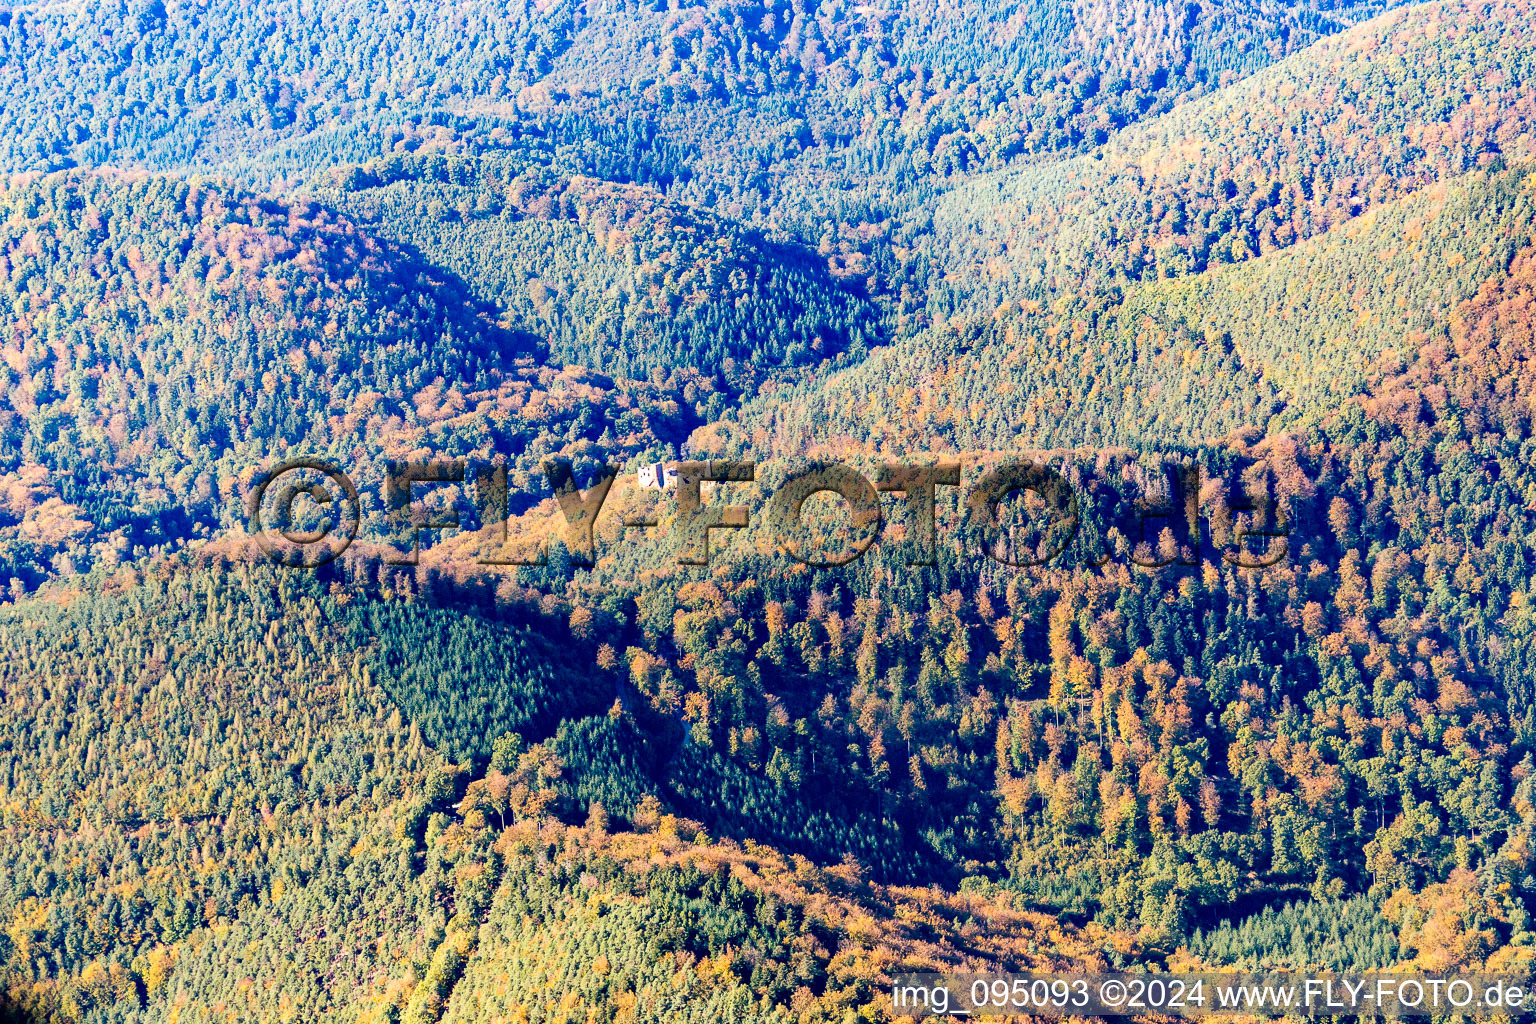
(306, 512)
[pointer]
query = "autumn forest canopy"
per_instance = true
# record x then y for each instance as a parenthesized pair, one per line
(1284, 250)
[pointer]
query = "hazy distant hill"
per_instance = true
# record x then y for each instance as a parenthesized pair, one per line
(141, 82)
(1414, 97)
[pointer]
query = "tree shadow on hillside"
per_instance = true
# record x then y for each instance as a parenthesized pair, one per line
(12, 1012)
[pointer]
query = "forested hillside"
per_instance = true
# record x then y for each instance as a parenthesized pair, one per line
(164, 337)
(1274, 259)
(616, 277)
(209, 767)
(1282, 337)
